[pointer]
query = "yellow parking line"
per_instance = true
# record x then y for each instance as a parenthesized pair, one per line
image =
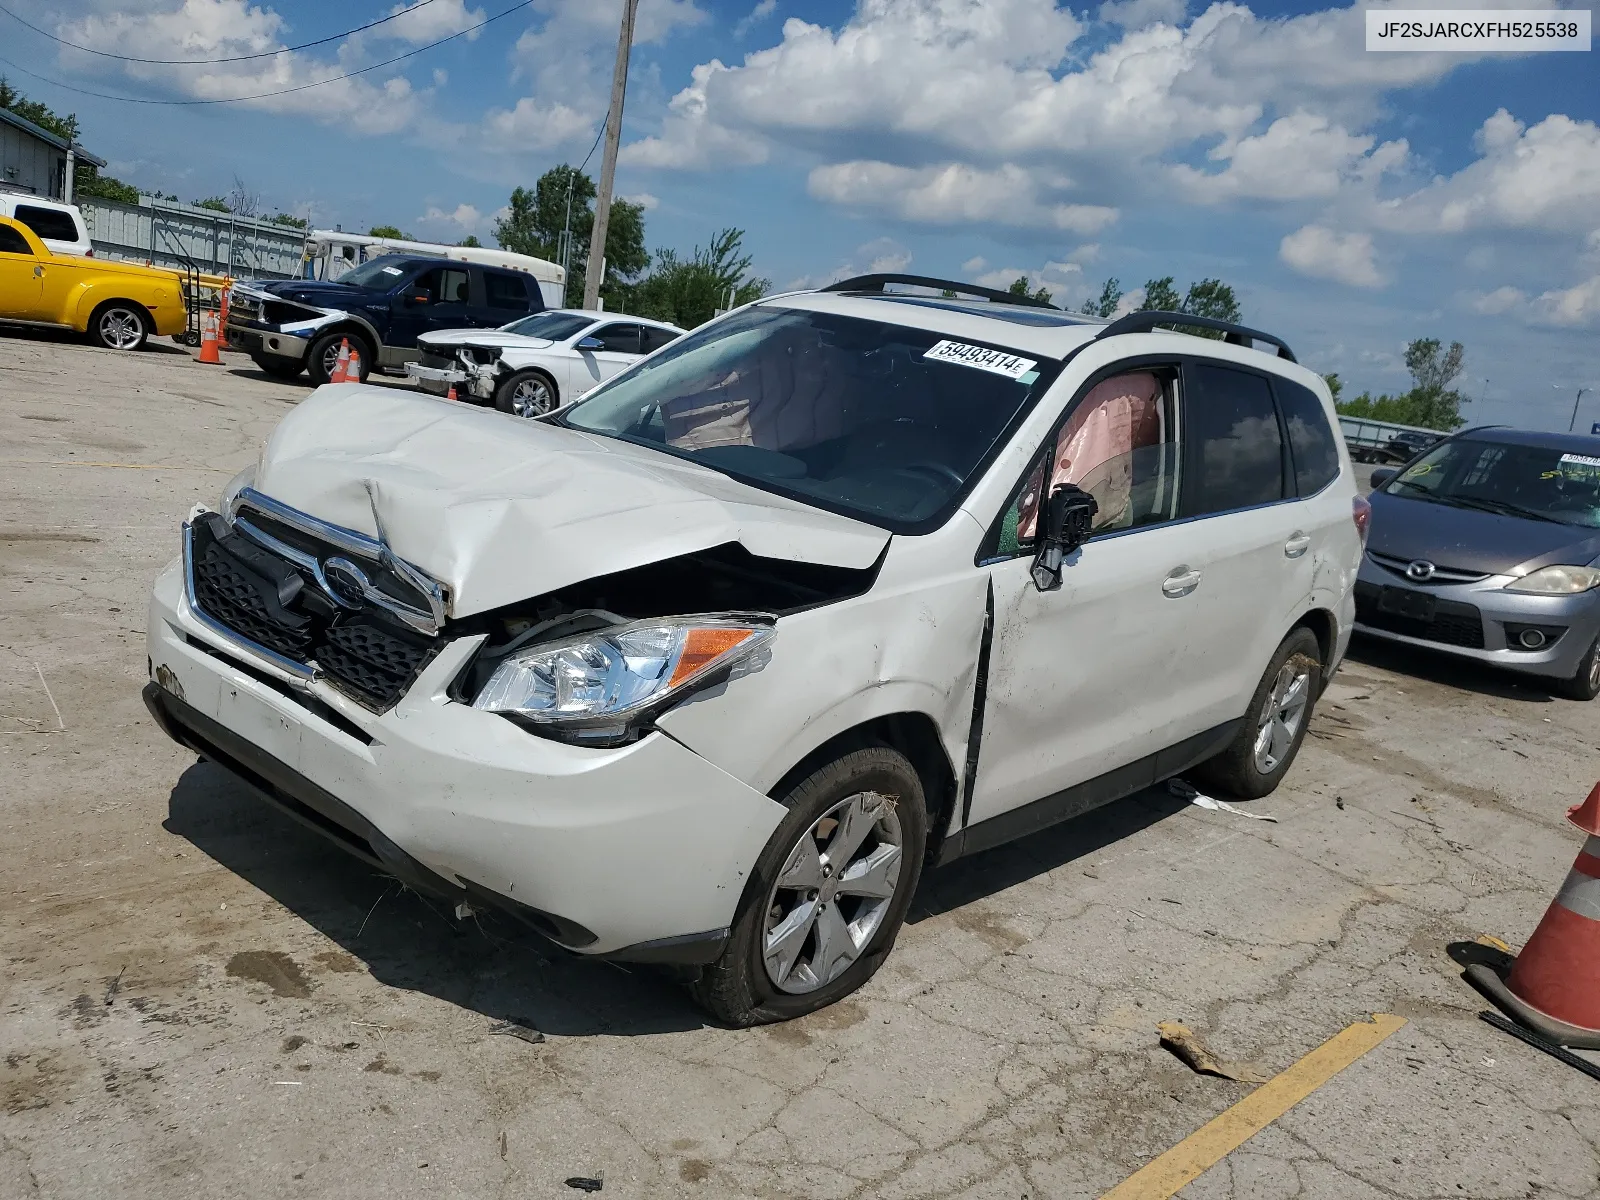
(45, 462)
(1211, 1143)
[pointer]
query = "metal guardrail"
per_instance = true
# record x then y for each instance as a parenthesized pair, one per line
(166, 233)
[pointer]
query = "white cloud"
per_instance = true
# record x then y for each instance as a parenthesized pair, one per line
(1136, 14)
(532, 125)
(1301, 156)
(644, 200)
(1322, 253)
(952, 193)
(763, 10)
(465, 217)
(430, 22)
(880, 256)
(1502, 299)
(1056, 277)
(1570, 308)
(1544, 177)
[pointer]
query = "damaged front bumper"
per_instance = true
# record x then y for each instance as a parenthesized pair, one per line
(638, 852)
(476, 379)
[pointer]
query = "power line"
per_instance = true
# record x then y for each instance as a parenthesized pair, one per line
(281, 91)
(171, 62)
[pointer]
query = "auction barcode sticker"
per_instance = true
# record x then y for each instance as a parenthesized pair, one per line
(1583, 460)
(981, 357)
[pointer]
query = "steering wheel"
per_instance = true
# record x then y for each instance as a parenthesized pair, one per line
(938, 469)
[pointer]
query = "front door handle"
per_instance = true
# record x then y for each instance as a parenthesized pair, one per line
(1180, 583)
(1298, 543)
(38, 272)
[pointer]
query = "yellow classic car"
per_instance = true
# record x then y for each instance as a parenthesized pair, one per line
(117, 304)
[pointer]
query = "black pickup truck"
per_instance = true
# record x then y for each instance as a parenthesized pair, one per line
(293, 325)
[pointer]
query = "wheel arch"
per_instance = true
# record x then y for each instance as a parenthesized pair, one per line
(914, 734)
(95, 303)
(1325, 628)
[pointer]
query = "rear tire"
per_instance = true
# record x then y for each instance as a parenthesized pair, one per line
(871, 797)
(120, 325)
(1261, 753)
(1585, 682)
(324, 354)
(528, 394)
(279, 368)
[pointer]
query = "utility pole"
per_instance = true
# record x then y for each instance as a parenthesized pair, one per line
(608, 164)
(1577, 400)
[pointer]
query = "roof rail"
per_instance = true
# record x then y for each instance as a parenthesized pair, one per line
(1234, 335)
(877, 283)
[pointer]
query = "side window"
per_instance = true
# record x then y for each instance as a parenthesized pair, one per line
(445, 285)
(506, 290)
(1119, 443)
(1316, 457)
(1234, 446)
(49, 223)
(12, 242)
(619, 339)
(655, 338)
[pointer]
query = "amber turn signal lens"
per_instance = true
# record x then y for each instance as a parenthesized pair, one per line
(703, 646)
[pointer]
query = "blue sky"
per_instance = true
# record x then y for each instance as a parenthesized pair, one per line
(1354, 200)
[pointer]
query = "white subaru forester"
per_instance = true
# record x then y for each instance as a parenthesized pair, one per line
(706, 668)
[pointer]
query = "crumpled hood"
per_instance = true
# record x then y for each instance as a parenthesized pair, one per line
(501, 509)
(449, 339)
(1469, 540)
(319, 292)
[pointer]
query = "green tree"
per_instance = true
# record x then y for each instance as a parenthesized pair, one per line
(40, 114)
(536, 219)
(470, 240)
(1431, 403)
(690, 291)
(1110, 297)
(292, 221)
(1212, 298)
(87, 181)
(214, 203)
(1335, 384)
(1020, 286)
(1161, 296)
(389, 231)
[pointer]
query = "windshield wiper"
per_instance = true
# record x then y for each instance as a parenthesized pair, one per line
(1502, 508)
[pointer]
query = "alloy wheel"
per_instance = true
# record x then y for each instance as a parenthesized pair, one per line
(1281, 716)
(833, 893)
(532, 398)
(121, 328)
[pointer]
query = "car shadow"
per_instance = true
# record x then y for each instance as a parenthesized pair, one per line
(255, 373)
(970, 879)
(487, 963)
(1461, 674)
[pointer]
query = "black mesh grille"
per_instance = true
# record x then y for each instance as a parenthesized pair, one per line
(371, 661)
(229, 594)
(1453, 623)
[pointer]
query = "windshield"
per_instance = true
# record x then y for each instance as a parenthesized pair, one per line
(877, 421)
(379, 275)
(557, 326)
(1539, 483)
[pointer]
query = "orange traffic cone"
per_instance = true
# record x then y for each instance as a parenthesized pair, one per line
(1554, 985)
(352, 369)
(341, 367)
(222, 316)
(208, 339)
(451, 394)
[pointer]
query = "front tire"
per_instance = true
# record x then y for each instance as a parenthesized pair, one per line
(120, 325)
(828, 894)
(280, 368)
(324, 356)
(527, 394)
(1585, 682)
(1261, 753)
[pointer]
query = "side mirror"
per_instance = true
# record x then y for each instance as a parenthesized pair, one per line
(1382, 476)
(590, 343)
(1068, 520)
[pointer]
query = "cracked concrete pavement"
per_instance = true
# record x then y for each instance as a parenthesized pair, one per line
(201, 998)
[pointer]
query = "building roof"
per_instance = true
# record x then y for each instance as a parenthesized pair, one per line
(44, 135)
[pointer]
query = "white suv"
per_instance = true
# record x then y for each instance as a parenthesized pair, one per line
(707, 667)
(58, 225)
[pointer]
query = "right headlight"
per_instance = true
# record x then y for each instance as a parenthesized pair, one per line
(600, 686)
(1557, 581)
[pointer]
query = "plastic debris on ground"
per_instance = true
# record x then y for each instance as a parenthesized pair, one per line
(518, 1028)
(1193, 1053)
(1185, 790)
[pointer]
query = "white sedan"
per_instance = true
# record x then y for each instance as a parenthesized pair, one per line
(539, 363)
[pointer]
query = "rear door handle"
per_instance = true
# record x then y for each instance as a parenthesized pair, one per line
(1180, 583)
(1297, 544)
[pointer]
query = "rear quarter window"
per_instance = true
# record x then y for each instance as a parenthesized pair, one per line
(1311, 444)
(1234, 454)
(50, 223)
(506, 290)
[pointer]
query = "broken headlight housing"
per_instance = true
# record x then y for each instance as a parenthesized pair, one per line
(604, 686)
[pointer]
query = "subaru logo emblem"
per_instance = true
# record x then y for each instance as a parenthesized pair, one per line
(1420, 570)
(345, 582)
